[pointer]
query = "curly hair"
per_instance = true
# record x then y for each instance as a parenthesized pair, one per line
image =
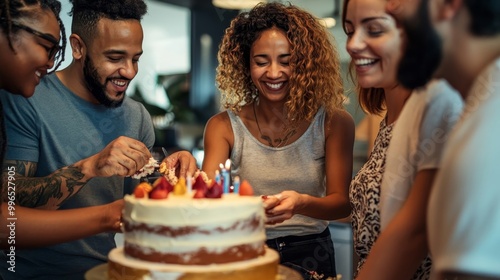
(315, 79)
(371, 100)
(13, 10)
(87, 13)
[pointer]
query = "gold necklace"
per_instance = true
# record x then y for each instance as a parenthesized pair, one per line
(281, 141)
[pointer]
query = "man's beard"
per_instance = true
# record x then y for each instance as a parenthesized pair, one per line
(98, 90)
(422, 54)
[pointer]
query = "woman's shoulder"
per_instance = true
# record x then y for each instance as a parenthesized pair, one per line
(218, 119)
(339, 117)
(226, 117)
(339, 120)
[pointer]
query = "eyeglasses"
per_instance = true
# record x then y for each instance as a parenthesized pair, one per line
(52, 51)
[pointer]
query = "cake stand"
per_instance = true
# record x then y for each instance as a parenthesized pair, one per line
(100, 272)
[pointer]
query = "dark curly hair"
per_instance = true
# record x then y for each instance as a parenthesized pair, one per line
(13, 10)
(87, 13)
(315, 80)
(371, 100)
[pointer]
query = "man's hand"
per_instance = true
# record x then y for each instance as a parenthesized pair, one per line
(122, 157)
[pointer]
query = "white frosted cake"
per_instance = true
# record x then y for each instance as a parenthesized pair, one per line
(184, 235)
(183, 230)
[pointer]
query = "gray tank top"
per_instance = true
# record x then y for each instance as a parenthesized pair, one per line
(299, 166)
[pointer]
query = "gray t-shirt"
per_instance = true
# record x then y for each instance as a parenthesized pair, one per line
(56, 128)
(299, 166)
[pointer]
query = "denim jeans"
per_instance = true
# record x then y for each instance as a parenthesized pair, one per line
(311, 255)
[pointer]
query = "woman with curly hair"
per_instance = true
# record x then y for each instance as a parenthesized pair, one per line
(284, 129)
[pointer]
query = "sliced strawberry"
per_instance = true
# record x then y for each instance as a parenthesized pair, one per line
(199, 184)
(158, 193)
(199, 194)
(162, 183)
(215, 191)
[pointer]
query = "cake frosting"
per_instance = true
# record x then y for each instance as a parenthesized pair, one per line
(147, 169)
(183, 230)
(192, 229)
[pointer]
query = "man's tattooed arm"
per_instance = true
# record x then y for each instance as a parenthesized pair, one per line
(47, 192)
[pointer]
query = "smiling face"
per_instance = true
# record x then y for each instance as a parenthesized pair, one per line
(269, 64)
(374, 43)
(23, 67)
(112, 60)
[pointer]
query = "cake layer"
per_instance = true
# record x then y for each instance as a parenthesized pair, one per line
(198, 257)
(183, 210)
(183, 230)
(123, 267)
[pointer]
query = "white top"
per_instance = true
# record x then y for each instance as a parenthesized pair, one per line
(464, 208)
(417, 141)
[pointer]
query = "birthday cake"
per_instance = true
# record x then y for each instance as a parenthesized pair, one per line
(196, 231)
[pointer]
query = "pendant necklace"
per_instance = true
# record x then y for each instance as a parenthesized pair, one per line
(281, 141)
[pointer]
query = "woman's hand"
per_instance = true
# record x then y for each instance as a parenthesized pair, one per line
(281, 207)
(184, 163)
(112, 218)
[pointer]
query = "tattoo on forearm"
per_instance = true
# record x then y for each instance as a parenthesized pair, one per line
(46, 192)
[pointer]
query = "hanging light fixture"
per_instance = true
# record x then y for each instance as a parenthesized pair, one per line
(236, 4)
(328, 22)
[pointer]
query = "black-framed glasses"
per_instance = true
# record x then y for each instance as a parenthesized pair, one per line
(52, 51)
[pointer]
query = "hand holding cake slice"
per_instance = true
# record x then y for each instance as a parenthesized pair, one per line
(147, 169)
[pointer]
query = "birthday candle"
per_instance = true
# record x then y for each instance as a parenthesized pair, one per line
(236, 184)
(217, 177)
(225, 175)
(221, 166)
(189, 183)
(228, 169)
